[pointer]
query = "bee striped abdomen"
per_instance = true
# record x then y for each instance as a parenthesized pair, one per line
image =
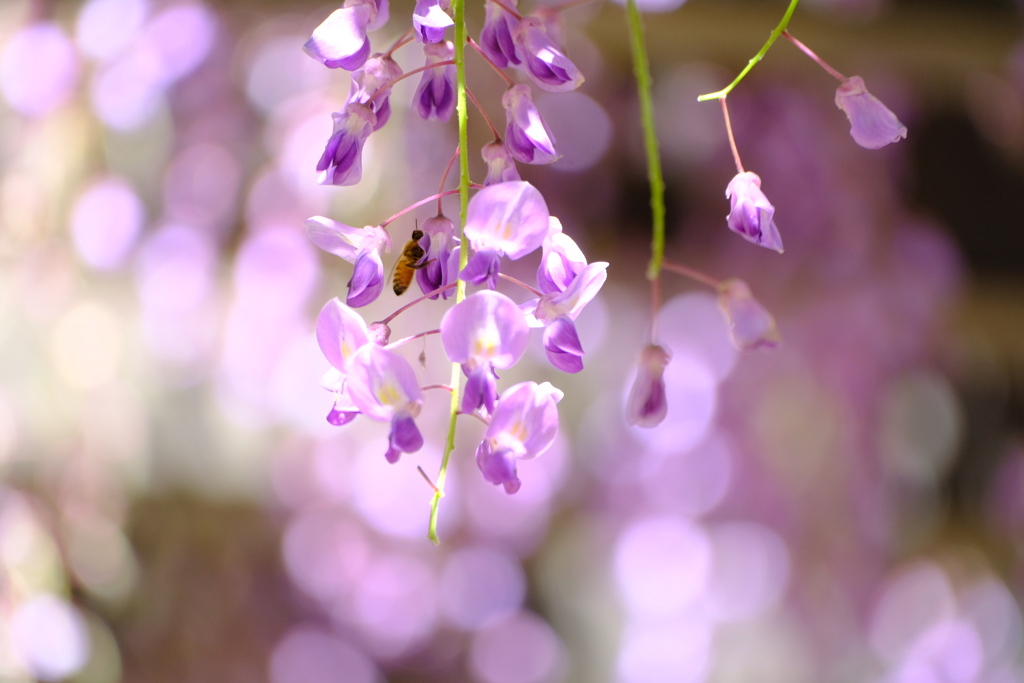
(407, 263)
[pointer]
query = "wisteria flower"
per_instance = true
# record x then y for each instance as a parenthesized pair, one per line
(508, 219)
(435, 95)
(647, 405)
(561, 260)
(340, 332)
(360, 247)
(872, 124)
(524, 425)
(496, 37)
(429, 19)
(568, 284)
(752, 327)
(567, 294)
(379, 70)
(526, 135)
(484, 333)
(545, 63)
(441, 256)
(383, 385)
(342, 160)
(752, 215)
(340, 41)
(501, 167)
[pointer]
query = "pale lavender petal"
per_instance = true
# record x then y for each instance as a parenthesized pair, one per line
(381, 16)
(333, 237)
(526, 414)
(381, 383)
(752, 215)
(510, 218)
(344, 240)
(340, 41)
(487, 328)
(367, 280)
(562, 345)
(872, 124)
(340, 332)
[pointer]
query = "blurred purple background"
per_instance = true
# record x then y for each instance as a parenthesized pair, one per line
(175, 507)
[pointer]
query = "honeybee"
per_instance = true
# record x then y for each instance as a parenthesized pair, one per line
(407, 263)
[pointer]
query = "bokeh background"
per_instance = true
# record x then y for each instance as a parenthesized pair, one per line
(175, 507)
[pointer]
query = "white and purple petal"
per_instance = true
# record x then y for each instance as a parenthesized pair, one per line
(340, 332)
(752, 215)
(511, 218)
(340, 41)
(381, 383)
(486, 329)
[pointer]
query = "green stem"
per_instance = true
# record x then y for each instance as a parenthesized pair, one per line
(643, 80)
(756, 58)
(459, 16)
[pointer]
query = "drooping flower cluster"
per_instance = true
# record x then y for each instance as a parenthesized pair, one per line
(527, 44)
(486, 332)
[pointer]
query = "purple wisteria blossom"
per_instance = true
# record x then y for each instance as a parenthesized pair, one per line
(501, 167)
(508, 219)
(360, 247)
(379, 70)
(569, 284)
(496, 37)
(524, 425)
(752, 215)
(340, 332)
(435, 95)
(872, 124)
(752, 327)
(429, 20)
(545, 63)
(340, 41)
(561, 260)
(383, 385)
(647, 405)
(342, 160)
(526, 135)
(484, 333)
(441, 256)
